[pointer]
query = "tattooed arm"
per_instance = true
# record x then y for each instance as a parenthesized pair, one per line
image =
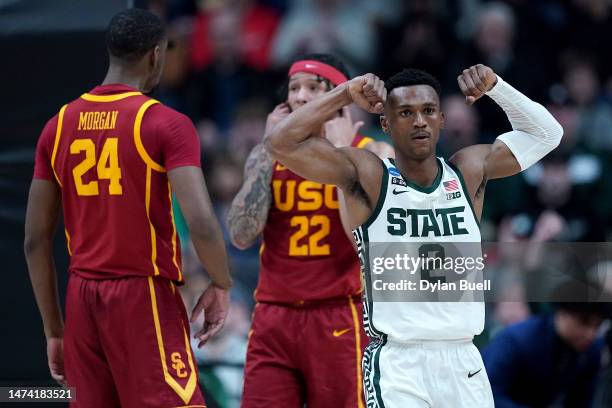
(249, 211)
(247, 215)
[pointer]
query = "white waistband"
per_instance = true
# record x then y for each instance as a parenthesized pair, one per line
(431, 344)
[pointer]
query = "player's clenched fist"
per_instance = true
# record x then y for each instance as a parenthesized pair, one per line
(368, 91)
(475, 81)
(280, 112)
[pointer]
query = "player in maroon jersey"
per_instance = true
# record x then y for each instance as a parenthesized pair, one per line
(306, 338)
(111, 159)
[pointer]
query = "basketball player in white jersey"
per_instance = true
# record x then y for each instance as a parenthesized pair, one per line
(421, 353)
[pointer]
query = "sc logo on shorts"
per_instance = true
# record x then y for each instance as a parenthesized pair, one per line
(178, 365)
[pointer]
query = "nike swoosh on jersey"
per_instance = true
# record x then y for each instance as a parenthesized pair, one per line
(395, 192)
(470, 375)
(338, 333)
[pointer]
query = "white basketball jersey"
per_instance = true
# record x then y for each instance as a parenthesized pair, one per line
(417, 217)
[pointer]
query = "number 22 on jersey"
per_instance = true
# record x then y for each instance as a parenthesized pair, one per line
(313, 247)
(107, 166)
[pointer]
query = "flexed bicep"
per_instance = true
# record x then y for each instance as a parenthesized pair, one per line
(318, 160)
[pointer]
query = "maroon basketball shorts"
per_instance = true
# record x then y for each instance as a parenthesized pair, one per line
(126, 344)
(309, 354)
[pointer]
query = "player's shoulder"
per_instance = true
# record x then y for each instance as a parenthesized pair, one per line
(164, 117)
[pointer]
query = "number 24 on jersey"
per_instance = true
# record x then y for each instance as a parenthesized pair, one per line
(107, 166)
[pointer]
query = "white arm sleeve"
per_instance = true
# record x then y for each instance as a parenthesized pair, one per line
(535, 131)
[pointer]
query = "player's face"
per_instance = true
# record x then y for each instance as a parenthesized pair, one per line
(413, 119)
(303, 88)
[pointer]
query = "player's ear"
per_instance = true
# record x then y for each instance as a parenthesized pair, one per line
(155, 56)
(383, 123)
(442, 120)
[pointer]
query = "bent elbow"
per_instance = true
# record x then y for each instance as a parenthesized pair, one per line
(556, 134)
(31, 244)
(239, 239)
(240, 243)
(272, 144)
(28, 245)
(551, 129)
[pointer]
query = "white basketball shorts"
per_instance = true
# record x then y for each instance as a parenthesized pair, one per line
(432, 374)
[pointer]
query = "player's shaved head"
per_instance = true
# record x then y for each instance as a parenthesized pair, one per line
(132, 33)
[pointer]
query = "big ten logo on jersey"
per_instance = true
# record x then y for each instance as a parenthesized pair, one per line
(178, 365)
(306, 196)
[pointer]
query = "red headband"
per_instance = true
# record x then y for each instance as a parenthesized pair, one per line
(318, 68)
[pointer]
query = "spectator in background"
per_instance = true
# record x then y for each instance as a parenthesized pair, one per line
(216, 91)
(590, 24)
(257, 26)
(595, 114)
(493, 45)
(547, 359)
(421, 41)
(338, 27)
(461, 126)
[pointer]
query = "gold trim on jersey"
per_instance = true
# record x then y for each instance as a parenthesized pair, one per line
(108, 98)
(138, 141)
(363, 142)
(174, 252)
(58, 134)
(358, 352)
(185, 393)
(191, 406)
(68, 241)
(151, 227)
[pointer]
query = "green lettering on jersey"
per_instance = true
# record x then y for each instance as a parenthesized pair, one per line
(427, 220)
(430, 224)
(397, 226)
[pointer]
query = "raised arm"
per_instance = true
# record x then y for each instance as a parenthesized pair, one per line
(248, 213)
(294, 141)
(535, 132)
(249, 210)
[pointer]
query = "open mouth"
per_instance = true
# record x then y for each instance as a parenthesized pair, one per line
(420, 136)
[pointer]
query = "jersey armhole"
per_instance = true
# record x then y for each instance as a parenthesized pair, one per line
(465, 189)
(381, 196)
(58, 135)
(142, 152)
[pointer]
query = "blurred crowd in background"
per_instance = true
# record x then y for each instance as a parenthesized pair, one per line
(229, 64)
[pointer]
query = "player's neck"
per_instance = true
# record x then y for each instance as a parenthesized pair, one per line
(420, 172)
(120, 75)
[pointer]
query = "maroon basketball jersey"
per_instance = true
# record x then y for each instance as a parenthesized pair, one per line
(109, 151)
(306, 254)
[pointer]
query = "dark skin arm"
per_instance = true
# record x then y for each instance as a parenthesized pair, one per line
(42, 216)
(357, 172)
(480, 163)
(190, 189)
